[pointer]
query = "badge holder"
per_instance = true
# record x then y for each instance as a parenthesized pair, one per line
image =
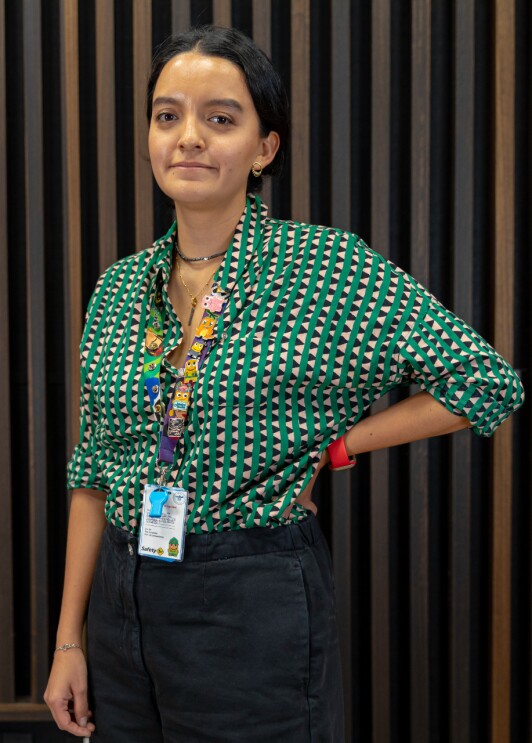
(162, 526)
(165, 509)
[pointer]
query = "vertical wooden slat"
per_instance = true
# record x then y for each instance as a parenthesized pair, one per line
(341, 213)
(36, 339)
(504, 239)
(7, 672)
(105, 124)
(180, 16)
(380, 127)
(71, 210)
(419, 505)
(221, 12)
(142, 52)
(462, 248)
(262, 24)
(343, 578)
(341, 114)
(379, 483)
(300, 107)
(262, 35)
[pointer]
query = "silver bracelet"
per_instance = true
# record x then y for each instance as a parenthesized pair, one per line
(67, 646)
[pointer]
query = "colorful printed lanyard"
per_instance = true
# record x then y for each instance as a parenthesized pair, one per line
(174, 418)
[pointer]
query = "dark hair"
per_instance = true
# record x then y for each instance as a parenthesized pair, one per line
(263, 81)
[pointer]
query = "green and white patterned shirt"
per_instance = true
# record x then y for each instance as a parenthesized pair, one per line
(318, 326)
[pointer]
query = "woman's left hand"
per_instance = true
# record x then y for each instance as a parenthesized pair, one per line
(305, 497)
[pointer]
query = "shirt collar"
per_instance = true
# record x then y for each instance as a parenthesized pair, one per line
(246, 240)
(164, 247)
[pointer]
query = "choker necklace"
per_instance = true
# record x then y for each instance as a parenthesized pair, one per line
(202, 258)
(193, 299)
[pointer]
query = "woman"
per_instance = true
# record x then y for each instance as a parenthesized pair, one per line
(224, 367)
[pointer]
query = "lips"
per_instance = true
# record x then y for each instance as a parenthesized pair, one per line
(191, 165)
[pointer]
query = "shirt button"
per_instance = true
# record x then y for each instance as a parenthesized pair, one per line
(130, 549)
(223, 335)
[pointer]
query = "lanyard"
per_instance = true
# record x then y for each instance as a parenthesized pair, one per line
(173, 419)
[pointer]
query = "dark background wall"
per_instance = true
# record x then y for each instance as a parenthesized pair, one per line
(411, 127)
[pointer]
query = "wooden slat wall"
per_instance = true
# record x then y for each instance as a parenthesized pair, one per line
(423, 676)
(463, 236)
(340, 214)
(262, 33)
(300, 109)
(7, 678)
(180, 16)
(71, 210)
(143, 178)
(221, 12)
(105, 115)
(419, 457)
(504, 232)
(380, 470)
(36, 340)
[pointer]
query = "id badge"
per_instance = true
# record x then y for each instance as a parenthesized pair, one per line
(162, 525)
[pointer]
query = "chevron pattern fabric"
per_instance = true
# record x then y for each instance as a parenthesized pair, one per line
(318, 326)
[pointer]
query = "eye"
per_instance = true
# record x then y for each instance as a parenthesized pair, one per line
(165, 117)
(221, 119)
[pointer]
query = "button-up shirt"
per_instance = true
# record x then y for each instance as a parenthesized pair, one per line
(317, 327)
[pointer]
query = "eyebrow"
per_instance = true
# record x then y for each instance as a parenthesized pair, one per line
(224, 102)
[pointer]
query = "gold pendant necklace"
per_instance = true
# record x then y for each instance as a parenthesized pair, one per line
(193, 299)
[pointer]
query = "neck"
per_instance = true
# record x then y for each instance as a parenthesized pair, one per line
(201, 234)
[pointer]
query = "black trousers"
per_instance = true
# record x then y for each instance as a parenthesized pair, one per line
(236, 643)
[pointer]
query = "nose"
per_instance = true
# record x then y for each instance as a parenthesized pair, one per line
(190, 135)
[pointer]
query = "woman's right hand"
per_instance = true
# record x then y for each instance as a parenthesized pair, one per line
(66, 693)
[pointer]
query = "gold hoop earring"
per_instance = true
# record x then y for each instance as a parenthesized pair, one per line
(256, 169)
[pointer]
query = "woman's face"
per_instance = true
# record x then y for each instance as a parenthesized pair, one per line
(205, 133)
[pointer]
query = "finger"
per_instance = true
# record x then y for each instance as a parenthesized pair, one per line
(74, 729)
(60, 713)
(64, 721)
(81, 707)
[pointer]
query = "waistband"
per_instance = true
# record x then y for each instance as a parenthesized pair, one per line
(226, 544)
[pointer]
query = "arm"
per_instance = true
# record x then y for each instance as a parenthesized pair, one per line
(68, 677)
(416, 417)
(470, 384)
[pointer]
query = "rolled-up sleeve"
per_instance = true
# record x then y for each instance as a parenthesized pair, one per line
(452, 362)
(84, 468)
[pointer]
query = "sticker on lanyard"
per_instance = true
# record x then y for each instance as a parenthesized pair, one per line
(162, 525)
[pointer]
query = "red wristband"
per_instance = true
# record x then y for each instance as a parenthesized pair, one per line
(339, 457)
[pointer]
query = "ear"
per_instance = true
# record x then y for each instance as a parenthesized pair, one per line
(268, 148)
